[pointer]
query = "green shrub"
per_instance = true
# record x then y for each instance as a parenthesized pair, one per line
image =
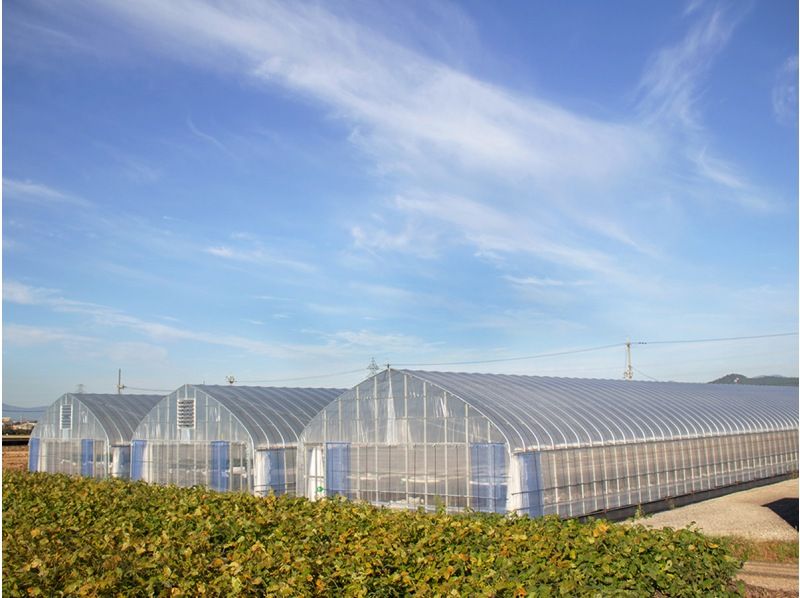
(67, 536)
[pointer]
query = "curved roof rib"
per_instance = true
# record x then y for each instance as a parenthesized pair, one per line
(272, 416)
(117, 414)
(546, 413)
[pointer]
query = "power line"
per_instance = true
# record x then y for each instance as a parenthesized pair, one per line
(509, 359)
(539, 356)
(638, 371)
(314, 377)
(148, 389)
(714, 340)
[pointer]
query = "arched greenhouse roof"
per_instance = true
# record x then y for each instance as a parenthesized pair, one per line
(271, 415)
(117, 414)
(535, 412)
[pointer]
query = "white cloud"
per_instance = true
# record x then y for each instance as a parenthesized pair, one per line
(404, 108)
(543, 282)
(209, 138)
(784, 93)
(257, 255)
(38, 193)
(670, 83)
(106, 317)
(27, 336)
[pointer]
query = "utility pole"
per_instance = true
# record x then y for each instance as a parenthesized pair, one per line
(120, 385)
(373, 367)
(628, 375)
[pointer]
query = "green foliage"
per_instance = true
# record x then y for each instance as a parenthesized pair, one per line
(67, 536)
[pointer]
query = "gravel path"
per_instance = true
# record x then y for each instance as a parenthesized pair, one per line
(765, 513)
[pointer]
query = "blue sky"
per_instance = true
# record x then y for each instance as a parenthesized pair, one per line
(281, 191)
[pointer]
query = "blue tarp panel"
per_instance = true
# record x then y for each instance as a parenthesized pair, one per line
(220, 464)
(275, 471)
(488, 480)
(531, 484)
(87, 457)
(337, 468)
(137, 458)
(33, 454)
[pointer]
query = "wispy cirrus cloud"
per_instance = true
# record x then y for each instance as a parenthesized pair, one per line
(671, 84)
(404, 108)
(256, 253)
(105, 317)
(537, 281)
(28, 336)
(208, 138)
(784, 93)
(39, 193)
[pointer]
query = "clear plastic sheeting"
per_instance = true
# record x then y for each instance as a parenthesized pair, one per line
(235, 438)
(78, 432)
(537, 446)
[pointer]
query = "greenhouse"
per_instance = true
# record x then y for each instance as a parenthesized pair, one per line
(539, 445)
(226, 437)
(88, 434)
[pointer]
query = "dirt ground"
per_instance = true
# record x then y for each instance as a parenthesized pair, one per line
(765, 513)
(15, 457)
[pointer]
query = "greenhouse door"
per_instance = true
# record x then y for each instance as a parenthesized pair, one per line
(270, 473)
(337, 468)
(87, 457)
(33, 454)
(315, 473)
(121, 461)
(137, 459)
(530, 470)
(220, 465)
(488, 481)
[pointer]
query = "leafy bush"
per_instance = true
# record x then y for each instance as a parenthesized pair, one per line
(67, 536)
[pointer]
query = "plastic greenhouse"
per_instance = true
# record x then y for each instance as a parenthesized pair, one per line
(226, 437)
(538, 445)
(88, 434)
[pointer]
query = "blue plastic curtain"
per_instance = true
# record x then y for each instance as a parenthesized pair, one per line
(87, 457)
(33, 454)
(137, 458)
(337, 468)
(220, 464)
(488, 480)
(531, 484)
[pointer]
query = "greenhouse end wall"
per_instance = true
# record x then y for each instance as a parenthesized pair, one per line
(190, 438)
(202, 445)
(69, 440)
(411, 446)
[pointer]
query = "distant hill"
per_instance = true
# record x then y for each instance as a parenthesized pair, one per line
(23, 413)
(757, 380)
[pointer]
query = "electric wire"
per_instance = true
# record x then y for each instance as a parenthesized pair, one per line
(313, 377)
(504, 359)
(713, 340)
(507, 359)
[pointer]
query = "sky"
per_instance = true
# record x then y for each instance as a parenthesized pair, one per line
(282, 191)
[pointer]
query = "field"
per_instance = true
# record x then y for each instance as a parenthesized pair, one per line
(74, 536)
(15, 458)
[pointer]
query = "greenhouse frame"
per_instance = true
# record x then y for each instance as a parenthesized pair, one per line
(88, 434)
(240, 438)
(540, 445)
